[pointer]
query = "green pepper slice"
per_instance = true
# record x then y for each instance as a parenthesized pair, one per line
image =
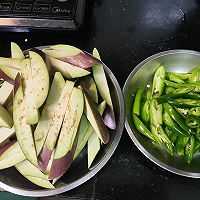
(162, 138)
(173, 126)
(169, 89)
(177, 93)
(179, 85)
(180, 145)
(137, 101)
(195, 111)
(197, 147)
(176, 117)
(192, 121)
(190, 149)
(194, 77)
(192, 95)
(184, 103)
(141, 127)
(183, 76)
(158, 81)
(173, 77)
(155, 112)
(145, 111)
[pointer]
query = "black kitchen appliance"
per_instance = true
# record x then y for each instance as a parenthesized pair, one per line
(26, 15)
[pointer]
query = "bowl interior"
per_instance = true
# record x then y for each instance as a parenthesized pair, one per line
(142, 75)
(78, 172)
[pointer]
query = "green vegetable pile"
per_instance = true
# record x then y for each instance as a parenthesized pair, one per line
(169, 112)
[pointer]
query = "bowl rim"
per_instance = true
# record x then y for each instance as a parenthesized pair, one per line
(50, 192)
(128, 128)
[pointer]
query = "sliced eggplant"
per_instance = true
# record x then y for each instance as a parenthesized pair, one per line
(16, 51)
(48, 111)
(5, 145)
(93, 147)
(28, 169)
(40, 78)
(6, 78)
(32, 113)
(89, 84)
(55, 126)
(6, 133)
(40, 182)
(102, 85)
(5, 93)
(72, 55)
(23, 130)
(94, 141)
(68, 70)
(11, 156)
(10, 62)
(12, 73)
(67, 135)
(94, 117)
(5, 118)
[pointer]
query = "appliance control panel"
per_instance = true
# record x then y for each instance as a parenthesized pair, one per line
(20, 15)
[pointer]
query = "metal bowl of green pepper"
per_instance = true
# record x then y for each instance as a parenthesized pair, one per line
(162, 105)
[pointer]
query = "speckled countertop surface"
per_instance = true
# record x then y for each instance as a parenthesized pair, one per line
(126, 32)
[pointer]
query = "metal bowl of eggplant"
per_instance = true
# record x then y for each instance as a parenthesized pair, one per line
(62, 116)
(162, 110)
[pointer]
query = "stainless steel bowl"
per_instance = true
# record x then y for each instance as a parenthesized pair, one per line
(78, 172)
(142, 74)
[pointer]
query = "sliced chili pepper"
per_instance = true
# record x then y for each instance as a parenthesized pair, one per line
(192, 121)
(177, 93)
(197, 147)
(180, 145)
(169, 89)
(184, 103)
(145, 112)
(183, 76)
(148, 95)
(161, 137)
(178, 85)
(173, 77)
(194, 77)
(141, 127)
(192, 95)
(158, 81)
(195, 111)
(172, 136)
(155, 134)
(175, 116)
(173, 126)
(190, 149)
(182, 111)
(155, 112)
(197, 136)
(137, 101)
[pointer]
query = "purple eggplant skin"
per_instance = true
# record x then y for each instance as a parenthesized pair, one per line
(82, 60)
(6, 78)
(6, 146)
(17, 83)
(60, 166)
(109, 118)
(44, 158)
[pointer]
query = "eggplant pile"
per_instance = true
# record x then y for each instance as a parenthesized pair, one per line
(53, 102)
